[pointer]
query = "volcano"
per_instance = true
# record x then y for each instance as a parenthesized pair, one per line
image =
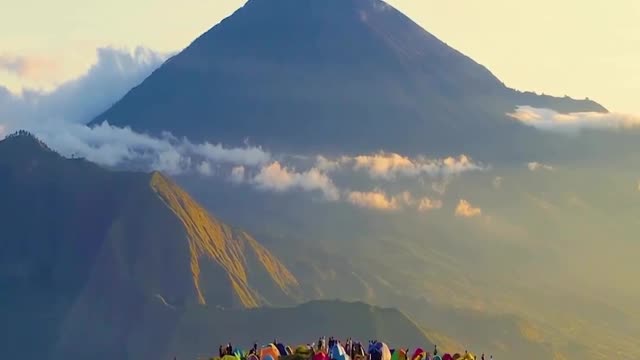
(330, 76)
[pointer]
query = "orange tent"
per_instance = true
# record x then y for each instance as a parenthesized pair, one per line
(269, 352)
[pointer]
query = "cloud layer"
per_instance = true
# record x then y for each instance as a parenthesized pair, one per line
(389, 166)
(550, 120)
(58, 118)
(79, 100)
(279, 178)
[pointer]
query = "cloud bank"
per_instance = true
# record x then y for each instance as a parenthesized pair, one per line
(58, 118)
(279, 178)
(572, 123)
(115, 72)
(389, 166)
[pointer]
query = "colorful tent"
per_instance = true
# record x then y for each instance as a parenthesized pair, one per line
(304, 350)
(338, 353)
(320, 356)
(240, 354)
(419, 354)
(468, 356)
(402, 354)
(437, 357)
(379, 351)
(399, 354)
(230, 357)
(269, 351)
(281, 349)
(447, 357)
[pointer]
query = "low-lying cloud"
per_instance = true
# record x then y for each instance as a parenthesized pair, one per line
(376, 199)
(572, 123)
(59, 118)
(279, 178)
(389, 166)
(465, 209)
(380, 200)
(535, 166)
(113, 146)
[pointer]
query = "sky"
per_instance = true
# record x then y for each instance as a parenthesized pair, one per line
(569, 47)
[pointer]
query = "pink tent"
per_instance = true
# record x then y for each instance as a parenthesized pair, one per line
(418, 354)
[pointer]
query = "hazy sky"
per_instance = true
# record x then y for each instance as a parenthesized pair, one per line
(575, 47)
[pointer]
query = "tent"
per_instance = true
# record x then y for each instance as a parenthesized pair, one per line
(304, 350)
(320, 356)
(253, 357)
(437, 357)
(379, 351)
(230, 357)
(468, 356)
(281, 349)
(399, 354)
(240, 354)
(269, 351)
(338, 353)
(419, 354)
(447, 357)
(402, 354)
(289, 350)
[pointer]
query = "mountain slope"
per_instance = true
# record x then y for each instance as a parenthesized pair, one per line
(83, 246)
(332, 75)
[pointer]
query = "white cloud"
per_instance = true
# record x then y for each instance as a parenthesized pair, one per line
(115, 72)
(249, 155)
(325, 164)
(465, 209)
(380, 200)
(113, 146)
(550, 120)
(535, 166)
(279, 178)
(205, 169)
(237, 174)
(388, 166)
(426, 204)
(376, 199)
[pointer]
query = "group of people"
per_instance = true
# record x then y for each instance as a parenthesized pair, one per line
(333, 349)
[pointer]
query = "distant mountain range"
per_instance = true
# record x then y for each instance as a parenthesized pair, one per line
(331, 76)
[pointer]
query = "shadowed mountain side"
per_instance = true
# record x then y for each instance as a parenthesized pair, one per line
(332, 76)
(84, 246)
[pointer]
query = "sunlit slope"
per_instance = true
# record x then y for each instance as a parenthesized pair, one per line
(235, 251)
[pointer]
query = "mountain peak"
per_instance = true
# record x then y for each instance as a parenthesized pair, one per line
(25, 138)
(328, 76)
